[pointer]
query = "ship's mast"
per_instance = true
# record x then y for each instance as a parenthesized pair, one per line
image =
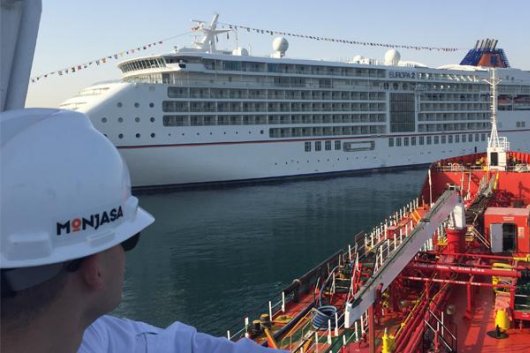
(497, 146)
(493, 141)
(207, 42)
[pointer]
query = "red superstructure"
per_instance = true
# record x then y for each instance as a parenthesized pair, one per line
(449, 272)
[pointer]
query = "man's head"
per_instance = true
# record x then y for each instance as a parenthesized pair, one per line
(66, 209)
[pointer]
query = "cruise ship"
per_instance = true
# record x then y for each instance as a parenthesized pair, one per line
(203, 115)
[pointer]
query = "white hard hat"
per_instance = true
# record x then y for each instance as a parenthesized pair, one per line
(65, 190)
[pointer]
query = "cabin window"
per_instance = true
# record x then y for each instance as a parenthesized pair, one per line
(413, 141)
(175, 120)
(457, 138)
(391, 142)
(398, 141)
(429, 140)
(405, 141)
(337, 145)
(307, 146)
(328, 145)
(422, 140)
(318, 146)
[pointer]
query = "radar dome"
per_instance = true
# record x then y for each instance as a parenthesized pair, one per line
(392, 57)
(240, 52)
(280, 45)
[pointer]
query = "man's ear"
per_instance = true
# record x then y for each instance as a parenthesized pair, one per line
(91, 271)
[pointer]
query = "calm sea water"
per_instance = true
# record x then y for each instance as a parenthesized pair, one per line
(213, 257)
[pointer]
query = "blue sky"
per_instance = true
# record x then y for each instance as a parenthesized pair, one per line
(76, 32)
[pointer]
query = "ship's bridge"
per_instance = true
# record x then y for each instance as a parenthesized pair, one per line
(153, 65)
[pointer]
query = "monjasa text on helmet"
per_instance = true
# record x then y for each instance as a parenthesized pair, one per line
(94, 221)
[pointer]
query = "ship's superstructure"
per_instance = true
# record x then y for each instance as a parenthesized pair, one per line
(207, 115)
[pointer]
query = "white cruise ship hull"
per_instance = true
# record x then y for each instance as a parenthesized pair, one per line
(227, 162)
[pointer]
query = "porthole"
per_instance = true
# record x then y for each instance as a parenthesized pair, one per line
(151, 105)
(120, 119)
(119, 105)
(120, 136)
(137, 136)
(261, 132)
(137, 119)
(152, 119)
(104, 120)
(152, 135)
(136, 105)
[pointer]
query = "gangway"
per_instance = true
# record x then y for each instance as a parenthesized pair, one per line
(396, 260)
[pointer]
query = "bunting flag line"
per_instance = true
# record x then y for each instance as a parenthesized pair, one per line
(102, 60)
(342, 41)
(116, 56)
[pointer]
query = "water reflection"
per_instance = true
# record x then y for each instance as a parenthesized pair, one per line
(213, 256)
